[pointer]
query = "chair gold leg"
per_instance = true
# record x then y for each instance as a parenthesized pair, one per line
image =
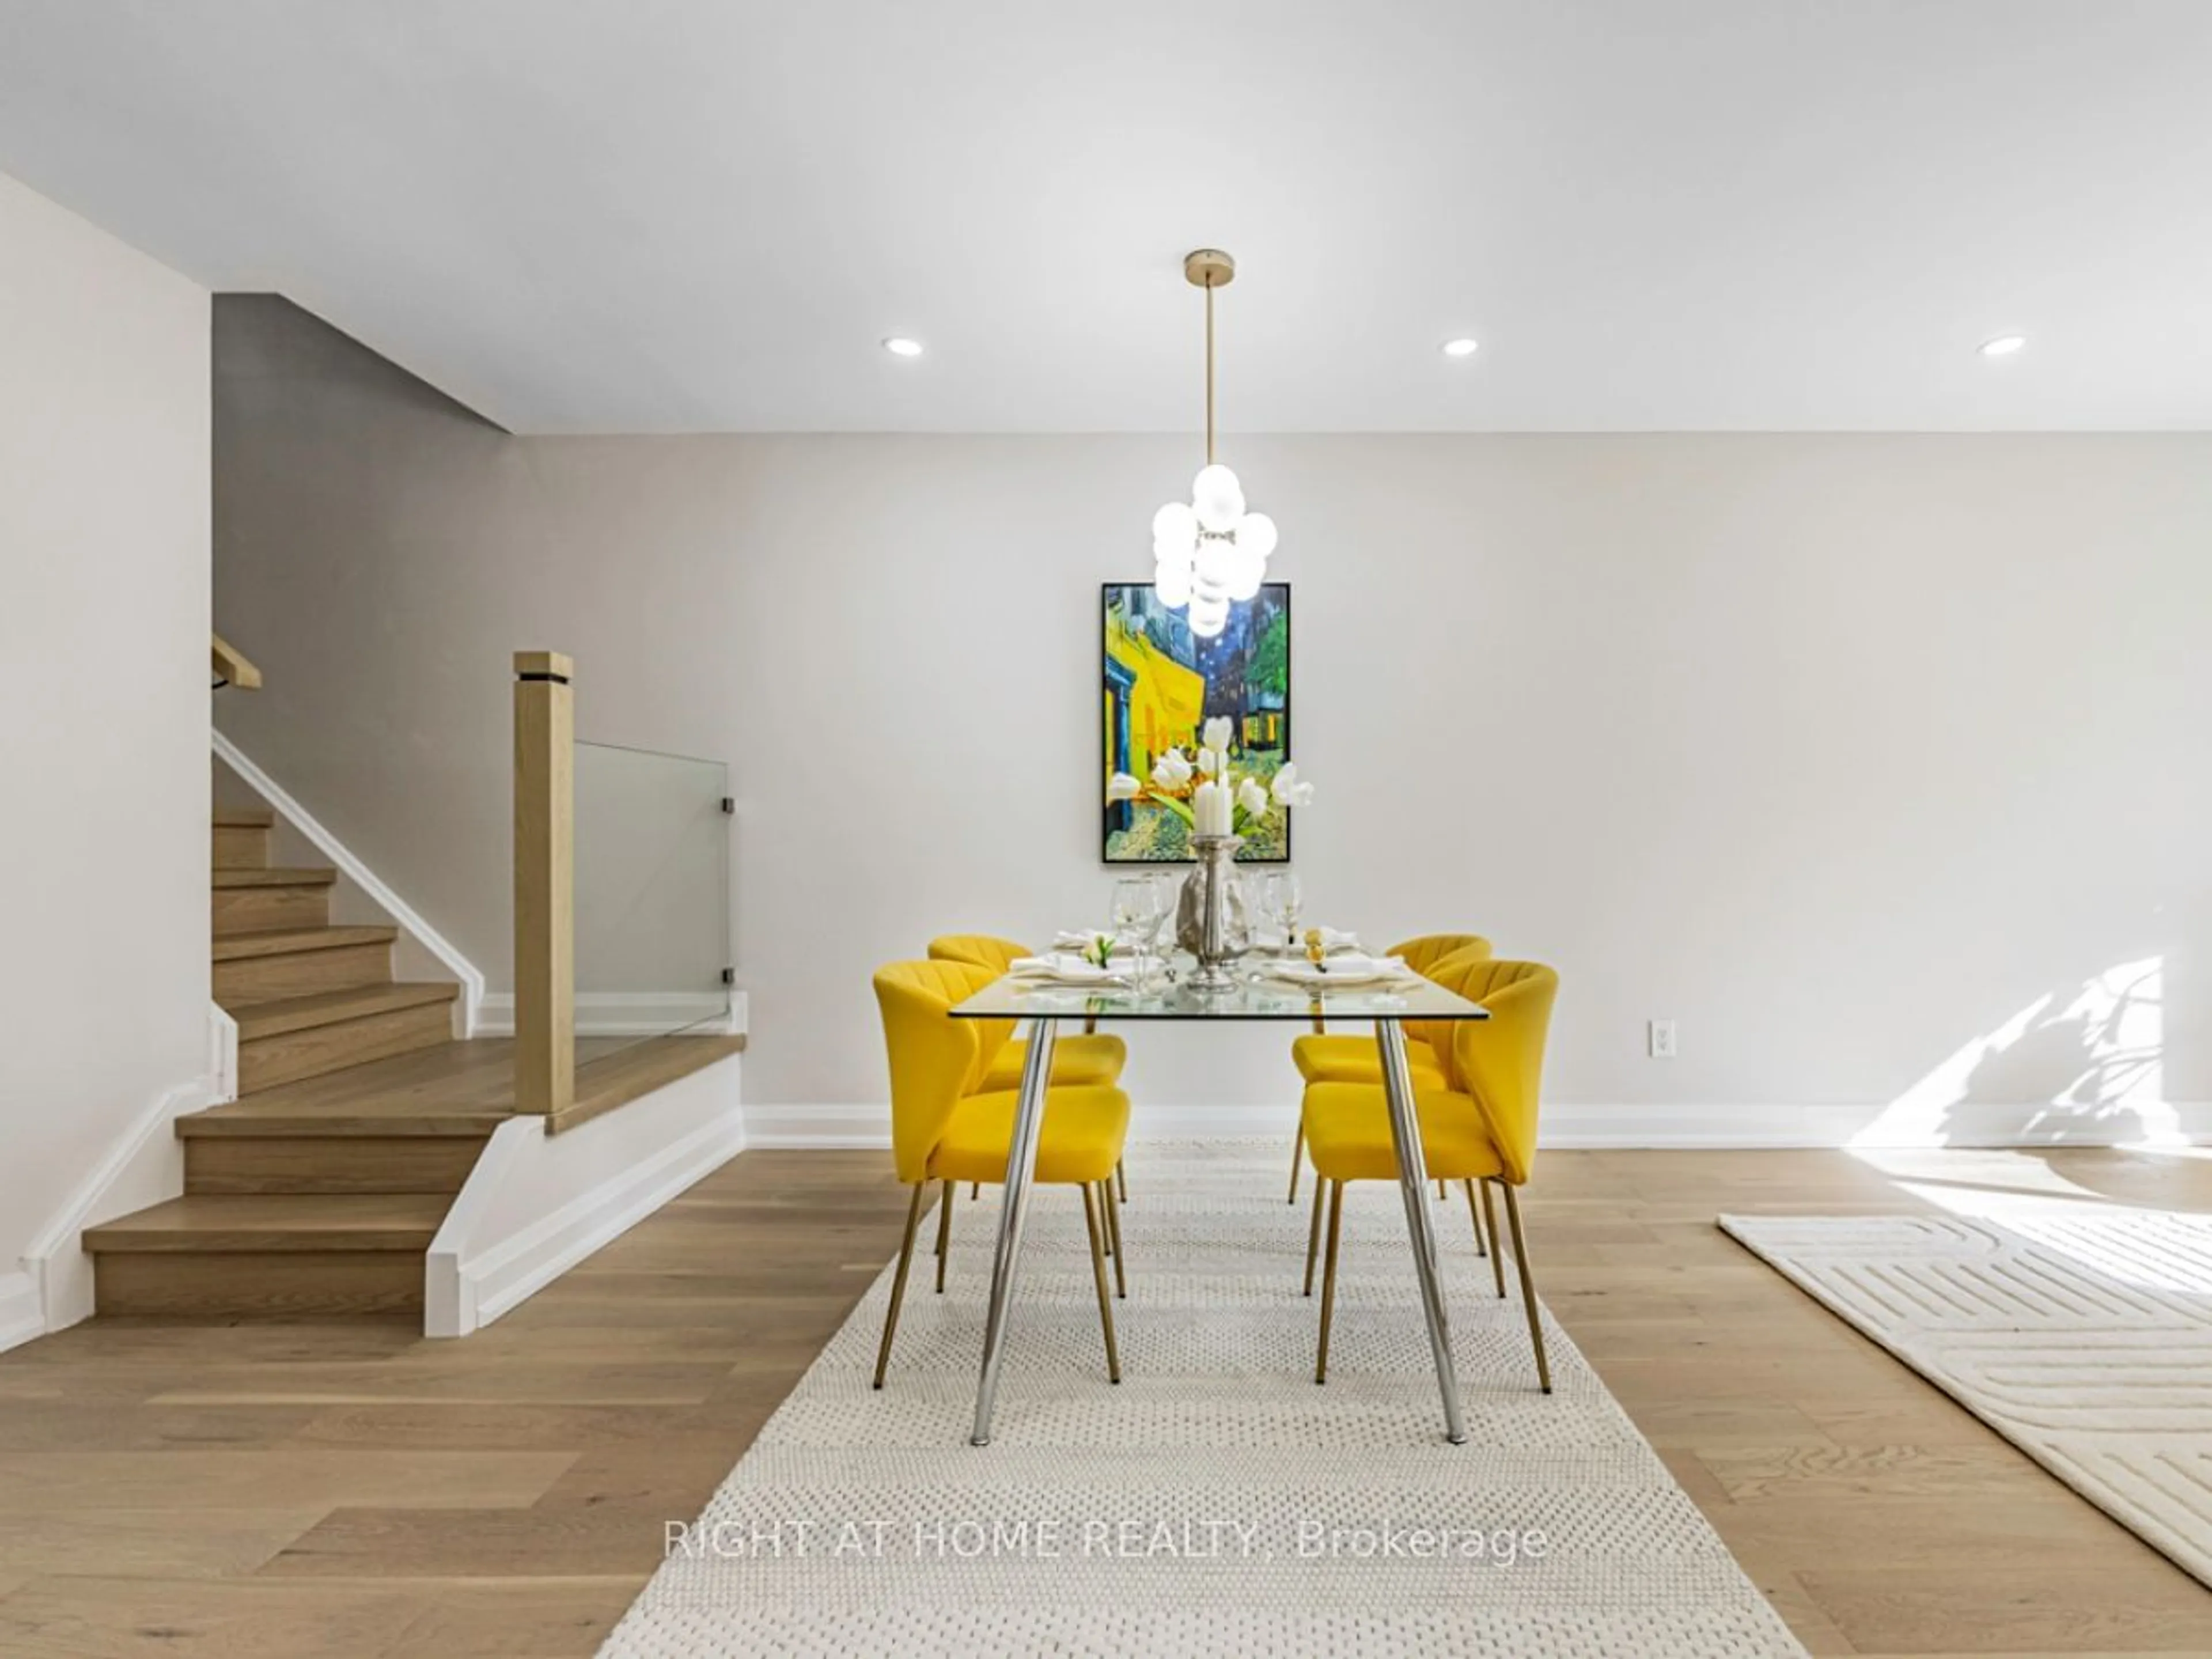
(1112, 1211)
(1496, 1250)
(1527, 1286)
(1475, 1216)
(1121, 1181)
(1313, 1233)
(1298, 1157)
(1441, 1193)
(898, 1283)
(944, 1233)
(1098, 1274)
(1328, 1279)
(975, 1191)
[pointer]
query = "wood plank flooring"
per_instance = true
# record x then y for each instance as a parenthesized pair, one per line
(356, 1492)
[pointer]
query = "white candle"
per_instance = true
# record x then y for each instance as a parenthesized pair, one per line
(1206, 808)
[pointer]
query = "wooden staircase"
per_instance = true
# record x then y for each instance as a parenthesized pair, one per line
(313, 1194)
(308, 997)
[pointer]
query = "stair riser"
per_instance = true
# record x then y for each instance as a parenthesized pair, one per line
(253, 1285)
(264, 1062)
(256, 909)
(240, 847)
(329, 1163)
(301, 973)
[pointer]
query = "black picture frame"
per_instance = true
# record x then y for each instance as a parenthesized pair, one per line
(1108, 762)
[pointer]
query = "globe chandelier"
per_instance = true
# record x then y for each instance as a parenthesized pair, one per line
(1208, 553)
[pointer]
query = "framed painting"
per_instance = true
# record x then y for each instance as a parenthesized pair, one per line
(1160, 684)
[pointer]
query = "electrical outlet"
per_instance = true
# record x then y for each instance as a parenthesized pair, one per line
(1661, 1035)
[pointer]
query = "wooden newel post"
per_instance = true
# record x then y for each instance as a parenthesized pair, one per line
(544, 883)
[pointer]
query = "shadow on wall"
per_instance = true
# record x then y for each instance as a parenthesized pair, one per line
(2105, 1036)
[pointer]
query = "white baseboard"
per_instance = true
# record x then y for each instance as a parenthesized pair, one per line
(817, 1127)
(222, 1054)
(146, 1166)
(631, 1013)
(1566, 1127)
(23, 1316)
(535, 1205)
(403, 915)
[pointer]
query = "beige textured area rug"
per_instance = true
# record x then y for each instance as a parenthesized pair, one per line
(1217, 1502)
(2083, 1336)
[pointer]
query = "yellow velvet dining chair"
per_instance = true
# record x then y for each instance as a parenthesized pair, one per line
(1092, 1058)
(1480, 1127)
(1325, 1057)
(943, 1129)
(1430, 1068)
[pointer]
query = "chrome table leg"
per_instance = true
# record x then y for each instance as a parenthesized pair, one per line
(1021, 1167)
(1412, 1185)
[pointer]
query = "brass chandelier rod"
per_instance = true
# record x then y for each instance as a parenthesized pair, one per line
(1209, 369)
(1209, 268)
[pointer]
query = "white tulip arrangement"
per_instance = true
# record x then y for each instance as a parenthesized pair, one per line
(1207, 793)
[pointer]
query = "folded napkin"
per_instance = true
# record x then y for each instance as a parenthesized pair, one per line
(1069, 940)
(1333, 939)
(1352, 968)
(1064, 967)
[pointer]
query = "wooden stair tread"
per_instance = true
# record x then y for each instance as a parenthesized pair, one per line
(314, 1164)
(280, 877)
(284, 941)
(447, 1089)
(396, 1123)
(400, 1118)
(267, 1020)
(273, 1222)
(244, 817)
(453, 1088)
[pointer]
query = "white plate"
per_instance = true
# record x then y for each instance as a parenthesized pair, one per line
(1321, 978)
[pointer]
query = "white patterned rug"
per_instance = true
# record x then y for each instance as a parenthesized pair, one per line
(1217, 1502)
(2083, 1336)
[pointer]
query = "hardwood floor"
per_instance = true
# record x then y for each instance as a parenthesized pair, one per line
(353, 1492)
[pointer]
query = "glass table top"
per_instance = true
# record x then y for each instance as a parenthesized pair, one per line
(1255, 996)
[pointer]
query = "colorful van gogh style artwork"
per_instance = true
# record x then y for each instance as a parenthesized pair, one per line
(1162, 685)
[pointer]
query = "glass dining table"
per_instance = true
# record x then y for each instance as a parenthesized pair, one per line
(1389, 1004)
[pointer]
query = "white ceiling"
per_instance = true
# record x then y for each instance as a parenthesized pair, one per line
(698, 215)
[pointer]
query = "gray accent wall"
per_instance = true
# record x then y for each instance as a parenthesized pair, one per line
(1874, 761)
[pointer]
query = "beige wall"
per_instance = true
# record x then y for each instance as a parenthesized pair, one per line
(104, 547)
(1841, 751)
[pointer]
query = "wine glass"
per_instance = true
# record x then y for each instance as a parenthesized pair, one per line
(1137, 916)
(1261, 894)
(1284, 900)
(1167, 888)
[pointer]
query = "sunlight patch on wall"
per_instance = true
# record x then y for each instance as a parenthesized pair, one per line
(2096, 1051)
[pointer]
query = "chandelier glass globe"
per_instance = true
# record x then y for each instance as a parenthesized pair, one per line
(1210, 553)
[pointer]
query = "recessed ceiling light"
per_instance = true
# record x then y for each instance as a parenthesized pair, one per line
(899, 346)
(2004, 345)
(1462, 347)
